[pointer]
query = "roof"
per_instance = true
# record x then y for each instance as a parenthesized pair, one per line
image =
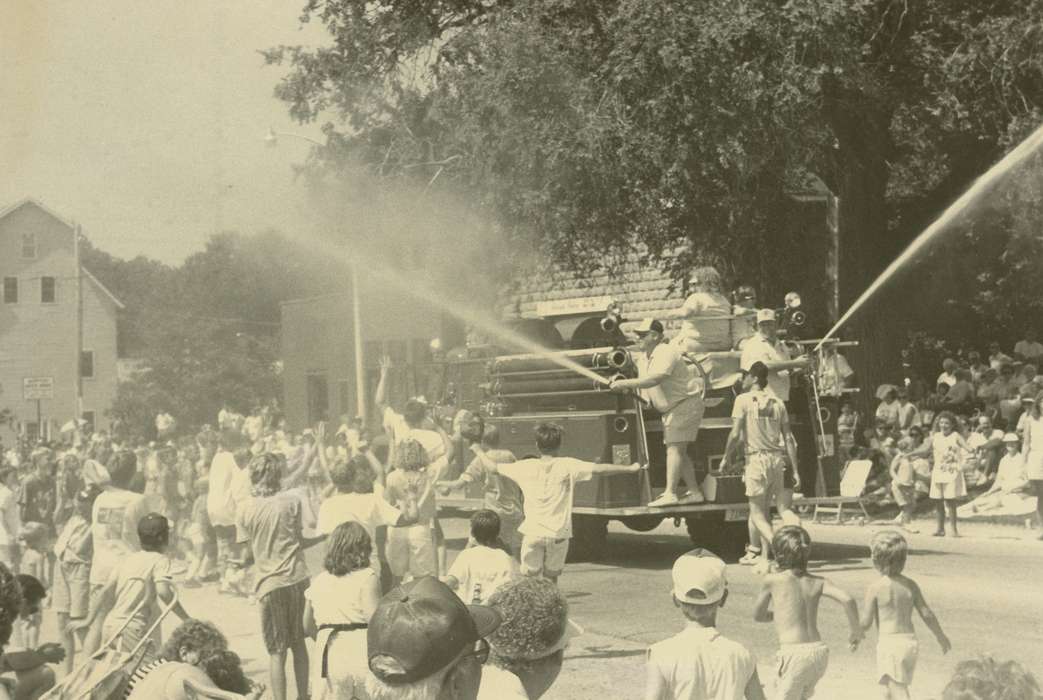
(39, 205)
(102, 287)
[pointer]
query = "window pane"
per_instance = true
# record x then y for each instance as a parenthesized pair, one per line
(87, 363)
(10, 290)
(28, 245)
(47, 289)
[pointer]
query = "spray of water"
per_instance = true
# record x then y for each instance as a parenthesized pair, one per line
(466, 313)
(980, 188)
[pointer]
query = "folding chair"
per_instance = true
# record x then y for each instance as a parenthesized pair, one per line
(851, 487)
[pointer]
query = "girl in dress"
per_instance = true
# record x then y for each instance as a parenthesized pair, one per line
(340, 602)
(1032, 448)
(948, 449)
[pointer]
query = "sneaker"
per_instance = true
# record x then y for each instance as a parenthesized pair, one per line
(690, 498)
(750, 558)
(667, 499)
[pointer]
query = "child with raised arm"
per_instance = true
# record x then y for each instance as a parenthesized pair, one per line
(890, 601)
(796, 594)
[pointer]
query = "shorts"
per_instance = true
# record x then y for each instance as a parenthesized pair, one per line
(681, 423)
(952, 490)
(543, 555)
(71, 592)
(896, 657)
(801, 667)
(282, 617)
(764, 475)
(411, 550)
(904, 493)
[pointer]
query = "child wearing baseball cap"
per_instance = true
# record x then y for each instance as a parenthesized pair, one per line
(699, 662)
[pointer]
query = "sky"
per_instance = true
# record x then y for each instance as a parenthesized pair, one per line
(144, 122)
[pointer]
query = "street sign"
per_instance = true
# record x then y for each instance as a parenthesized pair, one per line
(36, 388)
(566, 307)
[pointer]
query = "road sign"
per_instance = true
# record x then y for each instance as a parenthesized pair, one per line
(36, 388)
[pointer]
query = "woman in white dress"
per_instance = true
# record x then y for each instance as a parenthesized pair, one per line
(1032, 447)
(948, 450)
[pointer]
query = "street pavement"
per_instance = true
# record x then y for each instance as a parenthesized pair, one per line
(985, 589)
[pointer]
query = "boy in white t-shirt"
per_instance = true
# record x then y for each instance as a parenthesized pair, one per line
(699, 662)
(547, 483)
(481, 569)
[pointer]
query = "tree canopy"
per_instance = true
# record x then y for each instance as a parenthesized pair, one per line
(584, 125)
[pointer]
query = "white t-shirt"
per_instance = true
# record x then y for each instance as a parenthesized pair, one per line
(114, 529)
(369, 510)
(680, 382)
(346, 599)
(398, 430)
(500, 684)
(762, 413)
(547, 484)
(758, 349)
(707, 321)
(136, 575)
(480, 570)
(220, 501)
(700, 664)
(1011, 473)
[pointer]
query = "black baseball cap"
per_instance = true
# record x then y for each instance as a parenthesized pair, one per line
(420, 627)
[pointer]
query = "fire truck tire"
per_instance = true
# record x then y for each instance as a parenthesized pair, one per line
(589, 537)
(642, 523)
(725, 539)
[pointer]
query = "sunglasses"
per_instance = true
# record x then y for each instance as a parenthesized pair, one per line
(480, 651)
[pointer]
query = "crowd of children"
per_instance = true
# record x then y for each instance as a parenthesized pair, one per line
(109, 533)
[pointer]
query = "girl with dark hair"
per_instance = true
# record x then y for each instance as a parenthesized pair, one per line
(340, 602)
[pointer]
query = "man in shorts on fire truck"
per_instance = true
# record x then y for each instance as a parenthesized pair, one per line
(674, 391)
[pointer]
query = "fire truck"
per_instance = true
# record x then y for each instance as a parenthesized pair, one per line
(517, 392)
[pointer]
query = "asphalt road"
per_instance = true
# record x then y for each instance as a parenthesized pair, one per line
(985, 588)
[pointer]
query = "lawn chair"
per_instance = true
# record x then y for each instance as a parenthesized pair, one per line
(107, 671)
(851, 487)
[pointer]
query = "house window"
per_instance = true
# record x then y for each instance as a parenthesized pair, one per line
(48, 290)
(87, 364)
(10, 290)
(29, 245)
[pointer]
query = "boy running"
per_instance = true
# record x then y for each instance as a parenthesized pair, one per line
(547, 483)
(890, 602)
(802, 656)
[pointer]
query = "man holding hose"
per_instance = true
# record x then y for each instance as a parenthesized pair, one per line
(676, 395)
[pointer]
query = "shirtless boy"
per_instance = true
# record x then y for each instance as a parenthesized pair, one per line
(890, 602)
(803, 656)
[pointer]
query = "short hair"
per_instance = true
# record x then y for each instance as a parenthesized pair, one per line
(948, 364)
(759, 371)
(792, 547)
(413, 412)
(706, 278)
(984, 678)
(428, 688)
(354, 475)
(485, 527)
(491, 436)
(410, 456)
(265, 474)
(535, 618)
(153, 539)
(32, 589)
(122, 467)
(196, 635)
(348, 549)
(548, 437)
(10, 603)
(889, 550)
(947, 415)
(226, 671)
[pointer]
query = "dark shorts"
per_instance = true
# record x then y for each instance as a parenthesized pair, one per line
(282, 617)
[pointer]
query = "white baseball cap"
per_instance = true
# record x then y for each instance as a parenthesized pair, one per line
(1011, 437)
(765, 315)
(699, 578)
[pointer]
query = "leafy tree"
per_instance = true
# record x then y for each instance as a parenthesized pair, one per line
(583, 126)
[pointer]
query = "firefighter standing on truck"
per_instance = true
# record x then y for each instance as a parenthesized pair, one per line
(673, 393)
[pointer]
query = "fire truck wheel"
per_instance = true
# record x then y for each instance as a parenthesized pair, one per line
(589, 535)
(725, 539)
(642, 523)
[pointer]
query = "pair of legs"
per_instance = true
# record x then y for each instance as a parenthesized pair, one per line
(893, 690)
(544, 556)
(759, 523)
(786, 512)
(277, 670)
(679, 466)
(942, 507)
(71, 641)
(282, 626)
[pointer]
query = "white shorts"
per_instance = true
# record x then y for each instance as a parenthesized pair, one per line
(411, 550)
(764, 475)
(681, 423)
(801, 667)
(543, 555)
(896, 656)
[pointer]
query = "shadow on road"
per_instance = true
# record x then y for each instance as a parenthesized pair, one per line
(605, 653)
